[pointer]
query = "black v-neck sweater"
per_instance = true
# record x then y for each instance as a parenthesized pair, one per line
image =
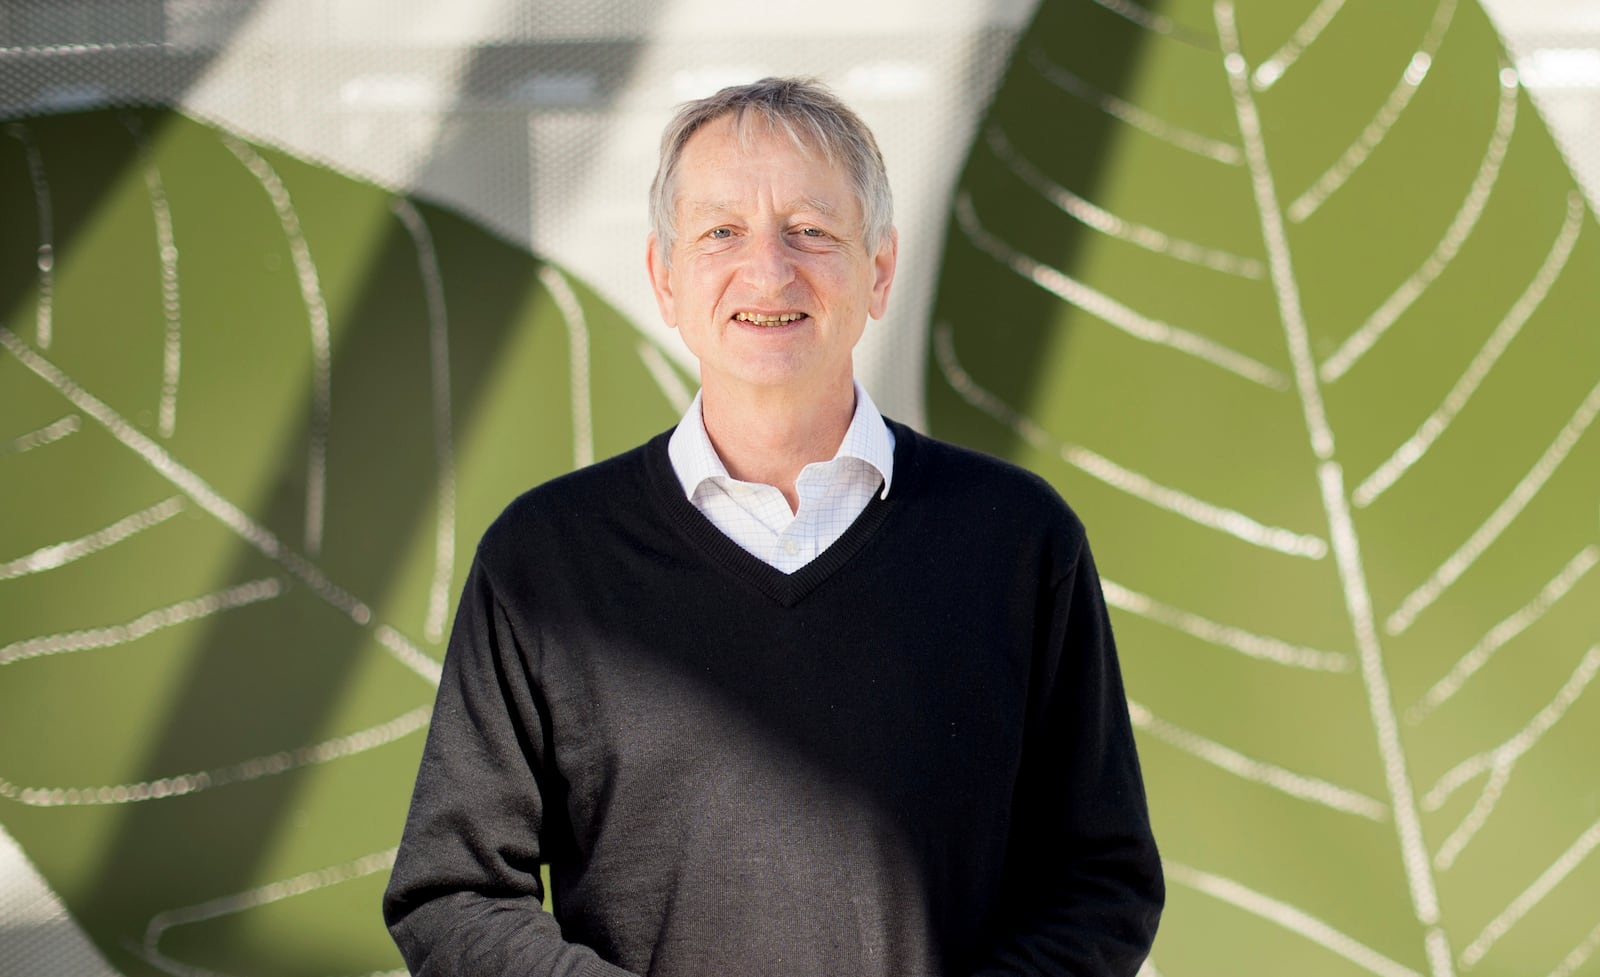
(911, 758)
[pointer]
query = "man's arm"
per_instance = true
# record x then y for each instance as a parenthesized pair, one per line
(1084, 888)
(465, 896)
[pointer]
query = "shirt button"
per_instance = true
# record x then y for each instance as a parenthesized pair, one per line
(791, 547)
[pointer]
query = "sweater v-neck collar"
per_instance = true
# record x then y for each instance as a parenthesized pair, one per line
(786, 589)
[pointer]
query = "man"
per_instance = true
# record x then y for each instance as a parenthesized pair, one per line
(790, 691)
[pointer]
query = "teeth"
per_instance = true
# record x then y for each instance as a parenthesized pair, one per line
(767, 320)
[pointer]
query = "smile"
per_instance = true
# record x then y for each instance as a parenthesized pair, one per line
(768, 320)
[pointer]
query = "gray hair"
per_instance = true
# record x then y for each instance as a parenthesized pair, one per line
(813, 117)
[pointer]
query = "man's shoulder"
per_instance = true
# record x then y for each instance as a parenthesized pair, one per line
(951, 472)
(568, 503)
(977, 509)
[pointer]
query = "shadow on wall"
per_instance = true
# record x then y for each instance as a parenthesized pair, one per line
(364, 380)
(1039, 114)
(63, 57)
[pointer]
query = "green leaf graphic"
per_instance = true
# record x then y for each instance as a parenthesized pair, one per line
(254, 416)
(1300, 307)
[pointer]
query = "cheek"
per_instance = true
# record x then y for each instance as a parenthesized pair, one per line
(704, 283)
(699, 303)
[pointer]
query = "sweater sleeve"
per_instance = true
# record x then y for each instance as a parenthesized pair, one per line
(1084, 887)
(464, 899)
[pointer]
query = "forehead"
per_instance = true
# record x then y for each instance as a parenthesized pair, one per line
(731, 160)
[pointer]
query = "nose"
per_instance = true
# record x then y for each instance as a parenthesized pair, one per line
(768, 264)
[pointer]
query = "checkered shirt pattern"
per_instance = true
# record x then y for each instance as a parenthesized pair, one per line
(757, 517)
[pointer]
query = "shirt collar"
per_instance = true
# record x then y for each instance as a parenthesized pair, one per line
(694, 459)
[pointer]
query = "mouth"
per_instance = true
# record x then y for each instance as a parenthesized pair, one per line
(764, 319)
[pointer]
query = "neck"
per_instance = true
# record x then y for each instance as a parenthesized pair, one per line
(768, 436)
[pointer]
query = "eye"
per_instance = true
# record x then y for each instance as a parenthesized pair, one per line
(812, 232)
(720, 233)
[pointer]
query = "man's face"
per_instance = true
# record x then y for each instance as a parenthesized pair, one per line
(770, 281)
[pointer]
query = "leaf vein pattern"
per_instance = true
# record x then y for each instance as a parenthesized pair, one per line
(1346, 548)
(578, 345)
(49, 434)
(1532, 896)
(321, 342)
(1480, 653)
(1124, 111)
(59, 554)
(148, 623)
(444, 538)
(263, 895)
(1461, 227)
(1155, 23)
(1502, 760)
(666, 378)
(1294, 920)
(407, 653)
(1280, 61)
(1108, 309)
(1494, 786)
(209, 499)
(244, 771)
(171, 304)
(1579, 956)
(1251, 645)
(1387, 474)
(1102, 220)
(1294, 784)
(44, 258)
(1458, 562)
(1105, 470)
(1399, 97)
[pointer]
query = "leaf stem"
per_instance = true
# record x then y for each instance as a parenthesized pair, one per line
(1330, 476)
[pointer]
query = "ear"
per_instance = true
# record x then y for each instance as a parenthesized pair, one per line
(883, 273)
(660, 279)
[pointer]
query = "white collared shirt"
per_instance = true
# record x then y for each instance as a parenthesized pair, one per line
(757, 517)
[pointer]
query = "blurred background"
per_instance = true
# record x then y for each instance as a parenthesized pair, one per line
(1296, 301)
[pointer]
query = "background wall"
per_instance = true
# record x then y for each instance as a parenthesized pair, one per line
(1296, 302)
